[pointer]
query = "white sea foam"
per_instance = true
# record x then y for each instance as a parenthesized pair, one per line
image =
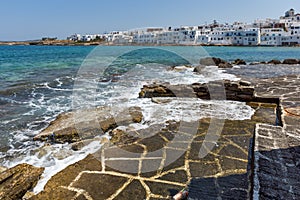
(191, 109)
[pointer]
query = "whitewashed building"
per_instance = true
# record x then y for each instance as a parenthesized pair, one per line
(145, 38)
(290, 40)
(251, 37)
(268, 32)
(272, 36)
(203, 36)
(74, 37)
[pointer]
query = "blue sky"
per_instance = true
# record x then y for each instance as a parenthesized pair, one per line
(33, 19)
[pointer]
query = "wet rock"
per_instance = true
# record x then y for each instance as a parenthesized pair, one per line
(213, 61)
(225, 65)
(85, 124)
(155, 90)
(275, 62)
(290, 61)
(166, 90)
(160, 100)
(16, 181)
(210, 61)
(239, 62)
(199, 68)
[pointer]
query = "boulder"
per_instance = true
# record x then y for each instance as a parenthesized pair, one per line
(239, 62)
(211, 61)
(275, 62)
(290, 61)
(85, 124)
(16, 181)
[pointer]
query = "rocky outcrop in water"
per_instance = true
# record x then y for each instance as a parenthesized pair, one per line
(84, 124)
(290, 61)
(199, 69)
(16, 181)
(275, 62)
(213, 61)
(230, 90)
(278, 62)
(239, 62)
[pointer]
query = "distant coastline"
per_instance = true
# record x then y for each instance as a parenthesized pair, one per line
(47, 43)
(103, 43)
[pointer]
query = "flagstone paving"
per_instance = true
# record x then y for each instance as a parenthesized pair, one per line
(165, 163)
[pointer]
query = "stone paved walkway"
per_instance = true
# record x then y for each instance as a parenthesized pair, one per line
(277, 149)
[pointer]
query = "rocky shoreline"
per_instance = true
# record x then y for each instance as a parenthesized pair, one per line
(247, 154)
(50, 43)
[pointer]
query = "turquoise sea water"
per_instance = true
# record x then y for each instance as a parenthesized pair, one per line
(37, 82)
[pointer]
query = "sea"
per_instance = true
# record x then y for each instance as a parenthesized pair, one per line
(37, 83)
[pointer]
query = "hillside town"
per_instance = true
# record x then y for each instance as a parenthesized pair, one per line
(284, 31)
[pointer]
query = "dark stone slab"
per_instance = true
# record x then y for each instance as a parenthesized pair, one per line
(94, 184)
(134, 191)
